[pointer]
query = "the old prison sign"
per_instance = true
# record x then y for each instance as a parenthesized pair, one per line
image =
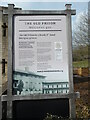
(40, 54)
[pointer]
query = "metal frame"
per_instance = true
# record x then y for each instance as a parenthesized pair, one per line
(9, 97)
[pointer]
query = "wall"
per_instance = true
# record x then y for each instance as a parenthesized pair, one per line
(0, 50)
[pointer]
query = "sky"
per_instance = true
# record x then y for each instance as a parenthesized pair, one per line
(78, 6)
(44, 0)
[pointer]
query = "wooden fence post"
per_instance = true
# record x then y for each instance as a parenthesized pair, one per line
(9, 87)
(70, 69)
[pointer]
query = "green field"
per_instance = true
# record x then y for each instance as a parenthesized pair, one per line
(80, 64)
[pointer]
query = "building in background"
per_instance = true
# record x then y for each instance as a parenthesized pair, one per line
(55, 87)
(26, 82)
(3, 48)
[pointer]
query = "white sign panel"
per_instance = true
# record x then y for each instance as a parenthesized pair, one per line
(40, 54)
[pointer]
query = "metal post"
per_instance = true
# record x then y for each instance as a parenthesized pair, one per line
(9, 88)
(70, 69)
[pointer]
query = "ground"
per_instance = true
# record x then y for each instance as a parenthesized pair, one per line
(82, 104)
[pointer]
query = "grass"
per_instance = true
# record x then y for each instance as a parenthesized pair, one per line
(80, 64)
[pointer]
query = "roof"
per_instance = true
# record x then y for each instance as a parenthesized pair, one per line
(24, 73)
(46, 83)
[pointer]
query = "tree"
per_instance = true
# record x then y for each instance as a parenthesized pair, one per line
(80, 53)
(81, 37)
(20, 86)
(80, 32)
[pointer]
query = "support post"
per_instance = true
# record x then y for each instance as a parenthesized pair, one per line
(70, 67)
(9, 88)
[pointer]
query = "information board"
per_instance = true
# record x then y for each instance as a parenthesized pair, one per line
(40, 63)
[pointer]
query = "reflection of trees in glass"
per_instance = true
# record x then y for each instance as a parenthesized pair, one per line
(20, 86)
